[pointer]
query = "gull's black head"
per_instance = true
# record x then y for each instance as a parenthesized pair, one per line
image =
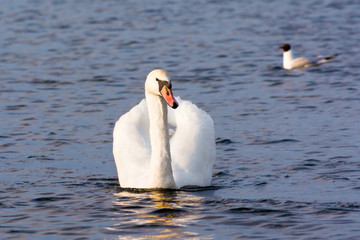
(285, 47)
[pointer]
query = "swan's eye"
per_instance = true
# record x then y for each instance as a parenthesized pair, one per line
(163, 83)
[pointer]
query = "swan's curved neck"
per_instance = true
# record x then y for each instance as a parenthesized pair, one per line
(287, 59)
(161, 175)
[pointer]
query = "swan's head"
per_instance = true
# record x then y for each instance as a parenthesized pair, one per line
(158, 83)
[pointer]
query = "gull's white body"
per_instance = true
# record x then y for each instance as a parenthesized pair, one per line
(147, 157)
(290, 63)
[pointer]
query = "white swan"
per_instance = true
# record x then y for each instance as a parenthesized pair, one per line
(145, 154)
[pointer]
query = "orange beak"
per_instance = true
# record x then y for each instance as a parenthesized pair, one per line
(169, 97)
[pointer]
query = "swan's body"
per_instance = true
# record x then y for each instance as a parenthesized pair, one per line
(289, 62)
(145, 154)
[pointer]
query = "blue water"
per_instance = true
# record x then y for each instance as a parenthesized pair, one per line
(288, 143)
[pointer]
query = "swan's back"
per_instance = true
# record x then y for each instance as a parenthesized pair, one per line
(192, 145)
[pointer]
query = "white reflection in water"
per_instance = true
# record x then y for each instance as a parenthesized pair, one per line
(162, 210)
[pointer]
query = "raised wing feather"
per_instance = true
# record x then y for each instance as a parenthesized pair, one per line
(131, 147)
(192, 145)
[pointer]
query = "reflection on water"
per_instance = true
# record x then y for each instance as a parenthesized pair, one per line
(161, 210)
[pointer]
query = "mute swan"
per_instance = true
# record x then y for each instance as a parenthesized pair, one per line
(145, 154)
(290, 63)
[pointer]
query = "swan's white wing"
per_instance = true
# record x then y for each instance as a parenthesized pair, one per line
(192, 145)
(131, 147)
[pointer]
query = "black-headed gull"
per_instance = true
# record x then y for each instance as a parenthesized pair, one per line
(290, 63)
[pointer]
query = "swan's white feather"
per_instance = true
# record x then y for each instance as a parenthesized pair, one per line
(192, 146)
(131, 147)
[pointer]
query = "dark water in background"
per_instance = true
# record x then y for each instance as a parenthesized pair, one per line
(288, 142)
